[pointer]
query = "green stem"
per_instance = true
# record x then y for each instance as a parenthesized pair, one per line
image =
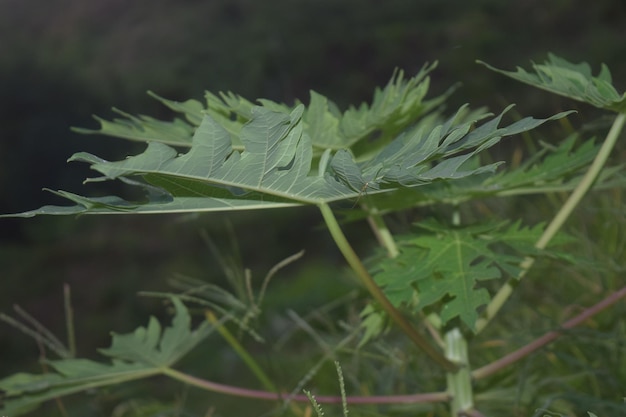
(557, 222)
(585, 184)
(243, 354)
(357, 266)
(459, 382)
(382, 232)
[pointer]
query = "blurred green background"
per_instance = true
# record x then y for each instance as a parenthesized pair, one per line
(61, 61)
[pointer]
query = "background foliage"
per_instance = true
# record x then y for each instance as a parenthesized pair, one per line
(62, 61)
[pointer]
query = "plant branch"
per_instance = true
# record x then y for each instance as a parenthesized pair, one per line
(369, 283)
(557, 222)
(548, 337)
(430, 397)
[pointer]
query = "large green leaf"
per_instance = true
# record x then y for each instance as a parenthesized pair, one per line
(274, 169)
(571, 80)
(445, 266)
(143, 353)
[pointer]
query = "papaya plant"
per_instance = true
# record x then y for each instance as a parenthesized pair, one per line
(441, 283)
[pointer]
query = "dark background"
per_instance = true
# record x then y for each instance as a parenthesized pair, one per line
(63, 61)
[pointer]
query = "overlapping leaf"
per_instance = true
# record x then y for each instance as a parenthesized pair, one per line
(445, 266)
(274, 169)
(144, 129)
(549, 169)
(140, 354)
(572, 80)
(393, 108)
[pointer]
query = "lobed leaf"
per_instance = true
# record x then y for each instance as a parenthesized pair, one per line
(393, 108)
(444, 266)
(400, 103)
(571, 80)
(274, 167)
(153, 346)
(143, 353)
(144, 129)
(549, 169)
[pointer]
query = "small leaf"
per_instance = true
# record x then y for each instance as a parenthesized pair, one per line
(140, 354)
(571, 80)
(154, 347)
(24, 392)
(144, 129)
(548, 166)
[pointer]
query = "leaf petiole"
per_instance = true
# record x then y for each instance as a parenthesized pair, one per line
(366, 279)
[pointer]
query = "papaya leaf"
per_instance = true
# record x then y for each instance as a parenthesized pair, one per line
(400, 103)
(571, 80)
(548, 166)
(155, 346)
(393, 108)
(24, 392)
(143, 353)
(444, 266)
(549, 169)
(144, 129)
(274, 169)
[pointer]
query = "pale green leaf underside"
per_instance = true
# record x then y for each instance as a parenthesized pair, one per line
(274, 169)
(143, 353)
(144, 129)
(571, 80)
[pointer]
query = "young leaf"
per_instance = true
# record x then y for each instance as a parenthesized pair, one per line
(445, 266)
(143, 353)
(571, 80)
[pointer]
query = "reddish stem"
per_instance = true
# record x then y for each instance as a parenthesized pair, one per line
(430, 397)
(548, 337)
(413, 398)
